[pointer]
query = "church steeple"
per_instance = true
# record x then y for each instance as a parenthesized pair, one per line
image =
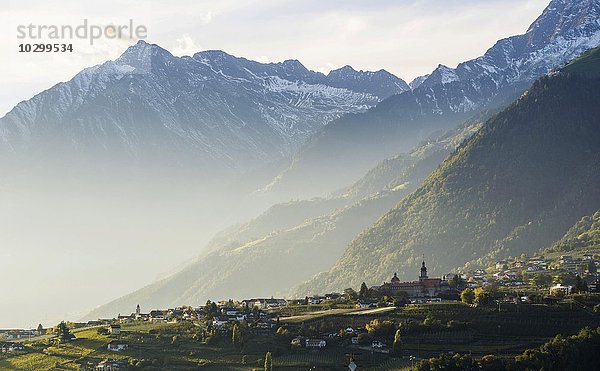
(423, 270)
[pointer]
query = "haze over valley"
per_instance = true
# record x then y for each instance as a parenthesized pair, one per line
(164, 179)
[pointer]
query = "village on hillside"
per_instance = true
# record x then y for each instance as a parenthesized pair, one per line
(360, 327)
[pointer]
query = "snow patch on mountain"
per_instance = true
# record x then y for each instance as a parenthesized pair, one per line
(212, 107)
(565, 30)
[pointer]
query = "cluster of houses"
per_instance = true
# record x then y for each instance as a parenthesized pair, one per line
(259, 320)
(263, 303)
(226, 312)
(112, 365)
(307, 343)
(513, 273)
(9, 347)
(322, 341)
(117, 345)
(317, 299)
(18, 334)
(174, 314)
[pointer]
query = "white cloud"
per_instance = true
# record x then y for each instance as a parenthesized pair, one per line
(327, 68)
(262, 59)
(185, 45)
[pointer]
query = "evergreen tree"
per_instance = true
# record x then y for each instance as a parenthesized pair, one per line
(63, 333)
(580, 285)
(268, 362)
(364, 291)
(211, 309)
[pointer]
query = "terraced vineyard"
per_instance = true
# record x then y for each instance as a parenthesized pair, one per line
(427, 331)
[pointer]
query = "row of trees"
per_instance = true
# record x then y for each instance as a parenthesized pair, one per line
(577, 352)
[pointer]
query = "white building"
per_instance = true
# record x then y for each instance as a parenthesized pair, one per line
(117, 345)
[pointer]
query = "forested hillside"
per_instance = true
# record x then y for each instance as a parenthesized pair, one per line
(584, 235)
(517, 185)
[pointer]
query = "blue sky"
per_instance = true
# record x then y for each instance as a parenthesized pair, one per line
(406, 37)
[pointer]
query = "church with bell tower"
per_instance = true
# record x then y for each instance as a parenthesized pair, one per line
(423, 275)
(425, 287)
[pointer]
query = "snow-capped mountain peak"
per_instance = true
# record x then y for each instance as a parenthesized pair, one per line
(212, 109)
(381, 82)
(564, 30)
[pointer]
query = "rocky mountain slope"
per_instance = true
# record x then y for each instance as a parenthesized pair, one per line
(516, 186)
(211, 111)
(349, 146)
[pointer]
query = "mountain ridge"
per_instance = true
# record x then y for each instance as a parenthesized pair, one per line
(350, 145)
(515, 186)
(211, 109)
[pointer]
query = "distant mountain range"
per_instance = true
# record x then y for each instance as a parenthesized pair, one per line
(531, 172)
(515, 185)
(439, 167)
(349, 146)
(210, 111)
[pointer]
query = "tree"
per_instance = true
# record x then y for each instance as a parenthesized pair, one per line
(40, 329)
(268, 362)
(401, 302)
(591, 267)
(455, 281)
(63, 333)
(397, 342)
(492, 363)
(236, 336)
(351, 294)
(542, 280)
(482, 297)
(364, 291)
(381, 329)
(467, 296)
(211, 309)
(580, 285)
